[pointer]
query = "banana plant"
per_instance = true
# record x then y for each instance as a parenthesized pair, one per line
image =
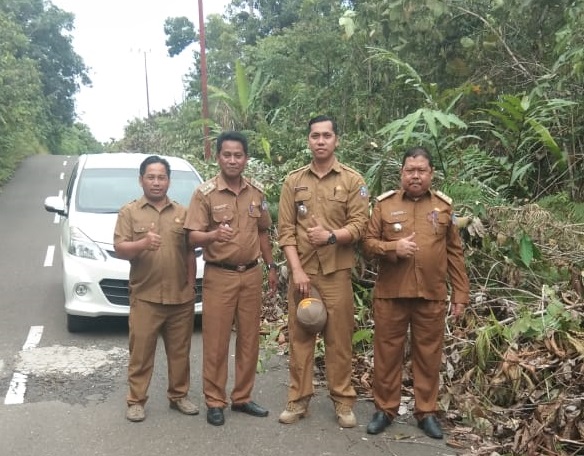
(242, 105)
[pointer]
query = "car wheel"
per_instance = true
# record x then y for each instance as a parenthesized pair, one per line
(75, 323)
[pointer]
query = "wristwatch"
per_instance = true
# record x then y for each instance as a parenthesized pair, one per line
(272, 266)
(332, 239)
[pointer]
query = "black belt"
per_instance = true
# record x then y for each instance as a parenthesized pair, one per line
(234, 267)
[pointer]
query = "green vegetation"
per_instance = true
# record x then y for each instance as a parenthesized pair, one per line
(39, 76)
(493, 88)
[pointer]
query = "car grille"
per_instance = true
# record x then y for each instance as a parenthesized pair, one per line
(199, 290)
(116, 291)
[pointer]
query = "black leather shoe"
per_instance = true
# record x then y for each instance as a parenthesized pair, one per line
(215, 416)
(378, 423)
(431, 427)
(251, 408)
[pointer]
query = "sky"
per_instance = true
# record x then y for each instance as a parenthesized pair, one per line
(122, 41)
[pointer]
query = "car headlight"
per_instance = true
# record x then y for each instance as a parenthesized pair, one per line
(80, 245)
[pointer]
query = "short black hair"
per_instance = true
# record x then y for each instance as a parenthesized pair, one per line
(232, 136)
(418, 151)
(323, 118)
(151, 160)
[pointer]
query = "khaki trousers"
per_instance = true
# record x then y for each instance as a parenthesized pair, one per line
(336, 291)
(230, 297)
(426, 320)
(175, 324)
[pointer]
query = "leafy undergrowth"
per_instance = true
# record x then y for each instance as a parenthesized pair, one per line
(513, 367)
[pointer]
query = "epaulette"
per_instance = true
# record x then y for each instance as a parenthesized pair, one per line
(298, 170)
(386, 195)
(443, 197)
(348, 168)
(207, 187)
(255, 183)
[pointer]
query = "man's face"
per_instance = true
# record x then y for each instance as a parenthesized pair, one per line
(322, 140)
(416, 176)
(231, 159)
(155, 182)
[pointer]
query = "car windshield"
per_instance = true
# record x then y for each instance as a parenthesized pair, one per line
(107, 190)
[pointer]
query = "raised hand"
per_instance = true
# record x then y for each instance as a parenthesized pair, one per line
(153, 239)
(224, 232)
(317, 235)
(406, 247)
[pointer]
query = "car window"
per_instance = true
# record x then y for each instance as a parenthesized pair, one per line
(70, 185)
(107, 190)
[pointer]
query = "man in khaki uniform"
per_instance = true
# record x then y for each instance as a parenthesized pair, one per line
(322, 214)
(412, 234)
(149, 233)
(228, 216)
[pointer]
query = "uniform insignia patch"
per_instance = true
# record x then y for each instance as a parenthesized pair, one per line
(363, 191)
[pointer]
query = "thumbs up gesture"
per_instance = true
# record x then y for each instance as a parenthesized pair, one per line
(153, 239)
(224, 232)
(406, 247)
(317, 235)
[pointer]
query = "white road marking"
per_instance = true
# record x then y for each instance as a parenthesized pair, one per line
(65, 163)
(49, 256)
(34, 337)
(17, 388)
(62, 176)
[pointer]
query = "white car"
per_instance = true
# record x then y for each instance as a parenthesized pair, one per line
(94, 280)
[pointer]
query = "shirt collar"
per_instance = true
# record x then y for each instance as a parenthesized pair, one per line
(222, 184)
(144, 202)
(336, 166)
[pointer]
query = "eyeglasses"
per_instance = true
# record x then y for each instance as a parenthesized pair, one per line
(419, 171)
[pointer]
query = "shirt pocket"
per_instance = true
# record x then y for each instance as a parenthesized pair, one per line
(222, 213)
(176, 235)
(140, 232)
(336, 205)
(339, 195)
(442, 223)
(393, 226)
(255, 210)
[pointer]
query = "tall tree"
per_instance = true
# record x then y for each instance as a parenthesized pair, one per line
(62, 70)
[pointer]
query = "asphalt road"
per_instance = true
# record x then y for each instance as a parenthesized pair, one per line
(64, 393)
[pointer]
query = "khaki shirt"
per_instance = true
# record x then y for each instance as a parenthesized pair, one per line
(247, 213)
(440, 253)
(158, 276)
(340, 200)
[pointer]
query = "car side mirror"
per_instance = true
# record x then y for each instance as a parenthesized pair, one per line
(56, 205)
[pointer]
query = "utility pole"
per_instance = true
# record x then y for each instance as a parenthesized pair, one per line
(147, 89)
(207, 143)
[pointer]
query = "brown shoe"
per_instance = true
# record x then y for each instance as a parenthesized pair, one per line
(184, 405)
(294, 411)
(135, 413)
(345, 415)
